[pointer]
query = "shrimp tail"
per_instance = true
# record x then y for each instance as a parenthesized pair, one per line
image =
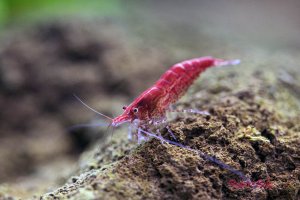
(221, 63)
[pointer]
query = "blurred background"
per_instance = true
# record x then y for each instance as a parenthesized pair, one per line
(107, 52)
(267, 22)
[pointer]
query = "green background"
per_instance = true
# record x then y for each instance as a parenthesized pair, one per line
(22, 10)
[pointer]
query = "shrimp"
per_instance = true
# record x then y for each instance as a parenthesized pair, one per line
(153, 103)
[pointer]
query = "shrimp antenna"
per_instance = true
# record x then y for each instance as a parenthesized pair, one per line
(92, 109)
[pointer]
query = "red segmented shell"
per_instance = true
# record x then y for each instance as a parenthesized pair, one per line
(153, 102)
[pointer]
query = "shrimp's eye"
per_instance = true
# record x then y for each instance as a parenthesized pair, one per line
(124, 107)
(135, 110)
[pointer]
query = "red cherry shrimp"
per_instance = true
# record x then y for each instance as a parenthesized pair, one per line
(153, 103)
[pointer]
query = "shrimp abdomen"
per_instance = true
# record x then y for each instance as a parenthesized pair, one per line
(181, 76)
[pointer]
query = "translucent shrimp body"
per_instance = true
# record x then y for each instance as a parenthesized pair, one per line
(153, 103)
